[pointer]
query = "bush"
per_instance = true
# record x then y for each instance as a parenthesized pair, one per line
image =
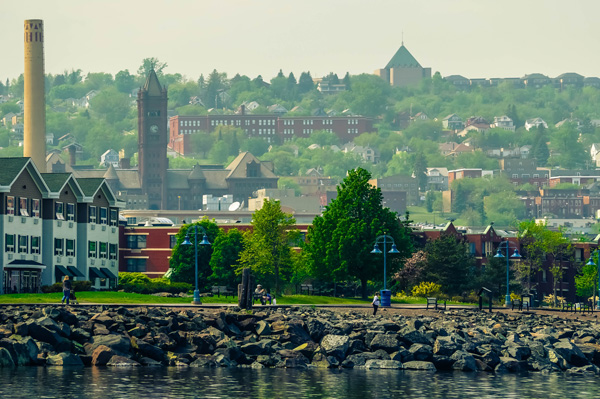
(77, 285)
(426, 289)
(140, 284)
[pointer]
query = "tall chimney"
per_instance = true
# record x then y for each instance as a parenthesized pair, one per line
(34, 119)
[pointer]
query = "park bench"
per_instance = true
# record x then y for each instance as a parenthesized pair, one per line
(518, 303)
(221, 289)
(566, 306)
(434, 303)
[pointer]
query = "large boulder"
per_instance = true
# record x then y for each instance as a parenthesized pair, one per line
(419, 365)
(148, 350)
(116, 342)
(122, 361)
(411, 336)
(335, 345)
(383, 364)
(421, 352)
(444, 346)
(463, 361)
(64, 359)
(571, 353)
(6, 359)
(102, 355)
(387, 342)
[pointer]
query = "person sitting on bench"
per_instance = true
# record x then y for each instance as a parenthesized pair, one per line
(261, 293)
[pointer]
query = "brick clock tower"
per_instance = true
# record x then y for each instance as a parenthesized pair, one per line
(152, 141)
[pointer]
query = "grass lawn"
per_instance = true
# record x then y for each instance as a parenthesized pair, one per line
(419, 214)
(131, 298)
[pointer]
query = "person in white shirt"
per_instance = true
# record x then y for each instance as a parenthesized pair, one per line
(375, 303)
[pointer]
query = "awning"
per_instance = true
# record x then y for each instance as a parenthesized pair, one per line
(75, 272)
(108, 273)
(61, 270)
(25, 264)
(96, 273)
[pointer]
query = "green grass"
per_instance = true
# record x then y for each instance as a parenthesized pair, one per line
(108, 297)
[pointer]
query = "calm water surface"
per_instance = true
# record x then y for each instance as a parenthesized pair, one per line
(145, 383)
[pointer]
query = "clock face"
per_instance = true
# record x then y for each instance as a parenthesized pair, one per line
(154, 128)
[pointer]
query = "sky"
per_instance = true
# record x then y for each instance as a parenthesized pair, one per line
(473, 38)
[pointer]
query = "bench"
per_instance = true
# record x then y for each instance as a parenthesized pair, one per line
(518, 303)
(434, 303)
(566, 306)
(220, 289)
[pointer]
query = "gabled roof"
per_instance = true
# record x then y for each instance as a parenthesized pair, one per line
(11, 167)
(57, 181)
(89, 185)
(237, 167)
(402, 59)
(152, 86)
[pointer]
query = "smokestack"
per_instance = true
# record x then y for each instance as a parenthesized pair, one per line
(34, 119)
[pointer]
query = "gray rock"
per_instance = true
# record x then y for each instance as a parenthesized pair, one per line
(383, 364)
(413, 336)
(263, 328)
(121, 361)
(387, 342)
(508, 364)
(64, 359)
(116, 342)
(419, 365)
(421, 352)
(6, 359)
(147, 350)
(335, 345)
(557, 359)
(463, 361)
(444, 346)
(571, 353)
(206, 361)
(518, 352)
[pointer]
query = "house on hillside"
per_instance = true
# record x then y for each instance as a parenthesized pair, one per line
(453, 122)
(535, 122)
(504, 122)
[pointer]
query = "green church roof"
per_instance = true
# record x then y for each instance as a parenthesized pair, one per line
(402, 59)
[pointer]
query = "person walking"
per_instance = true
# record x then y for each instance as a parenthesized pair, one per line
(66, 290)
(375, 303)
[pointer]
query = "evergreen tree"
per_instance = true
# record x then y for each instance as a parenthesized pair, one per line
(449, 264)
(540, 150)
(420, 170)
(339, 242)
(305, 84)
(235, 146)
(346, 81)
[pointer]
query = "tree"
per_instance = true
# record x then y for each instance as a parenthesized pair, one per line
(339, 242)
(305, 84)
(124, 81)
(531, 235)
(420, 170)
(412, 272)
(224, 260)
(587, 280)
(449, 264)
(267, 249)
(183, 260)
(149, 64)
(559, 248)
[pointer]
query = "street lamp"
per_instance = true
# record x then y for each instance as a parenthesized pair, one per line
(204, 241)
(515, 255)
(385, 239)
(591, 262)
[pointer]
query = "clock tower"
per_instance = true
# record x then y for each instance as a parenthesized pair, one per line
(152, 141)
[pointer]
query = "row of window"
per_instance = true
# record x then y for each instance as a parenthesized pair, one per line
(102, 250)
(352, 131)
(23, 206)
(136, 265)
(64, 247)
(104, 216)
(266, 131)
(22, 244)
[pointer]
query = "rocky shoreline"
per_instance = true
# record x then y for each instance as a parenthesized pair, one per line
(464, 340)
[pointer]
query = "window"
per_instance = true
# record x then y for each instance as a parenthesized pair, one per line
(173, 239)
(92, 249)
(9, 243)
(70, 247)
(59, 211)
(35, 208)
(71, 212)
(112, 251)
(103, 250)
(35, 245)
(136, 241)
(23, 244)
(58, 246)
(114, 217)
(136, 265)
(92, 214)
(103, 216)
(23, 206)
(10, 205)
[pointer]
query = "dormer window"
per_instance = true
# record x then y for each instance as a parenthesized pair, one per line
(23, 206)
(10, 205)
(59, 210)
(35, 208)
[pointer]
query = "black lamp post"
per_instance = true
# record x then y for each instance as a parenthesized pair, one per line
(385, 239)
(515, 255)
(204, 241)
(591, 262)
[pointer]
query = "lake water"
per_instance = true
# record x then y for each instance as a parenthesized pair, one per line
(56, 382)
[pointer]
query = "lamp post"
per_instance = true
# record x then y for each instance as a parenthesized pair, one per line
(515, 255)
(204, 241)
(591, 262)
(385, 239)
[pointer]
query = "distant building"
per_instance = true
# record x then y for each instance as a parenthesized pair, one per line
(504, 122)
(535, 122)
(453, 122)
(403, 69)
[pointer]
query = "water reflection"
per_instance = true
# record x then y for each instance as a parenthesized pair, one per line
(57, 382)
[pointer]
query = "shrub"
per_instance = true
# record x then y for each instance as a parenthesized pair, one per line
(140, 284)
(425, 289)
(77, 285)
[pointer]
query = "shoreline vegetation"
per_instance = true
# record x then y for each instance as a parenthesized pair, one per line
(297, 337)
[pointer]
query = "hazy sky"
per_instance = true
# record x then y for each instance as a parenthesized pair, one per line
(473, 38)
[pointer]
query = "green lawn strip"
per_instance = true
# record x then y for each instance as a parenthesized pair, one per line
(108, 297)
